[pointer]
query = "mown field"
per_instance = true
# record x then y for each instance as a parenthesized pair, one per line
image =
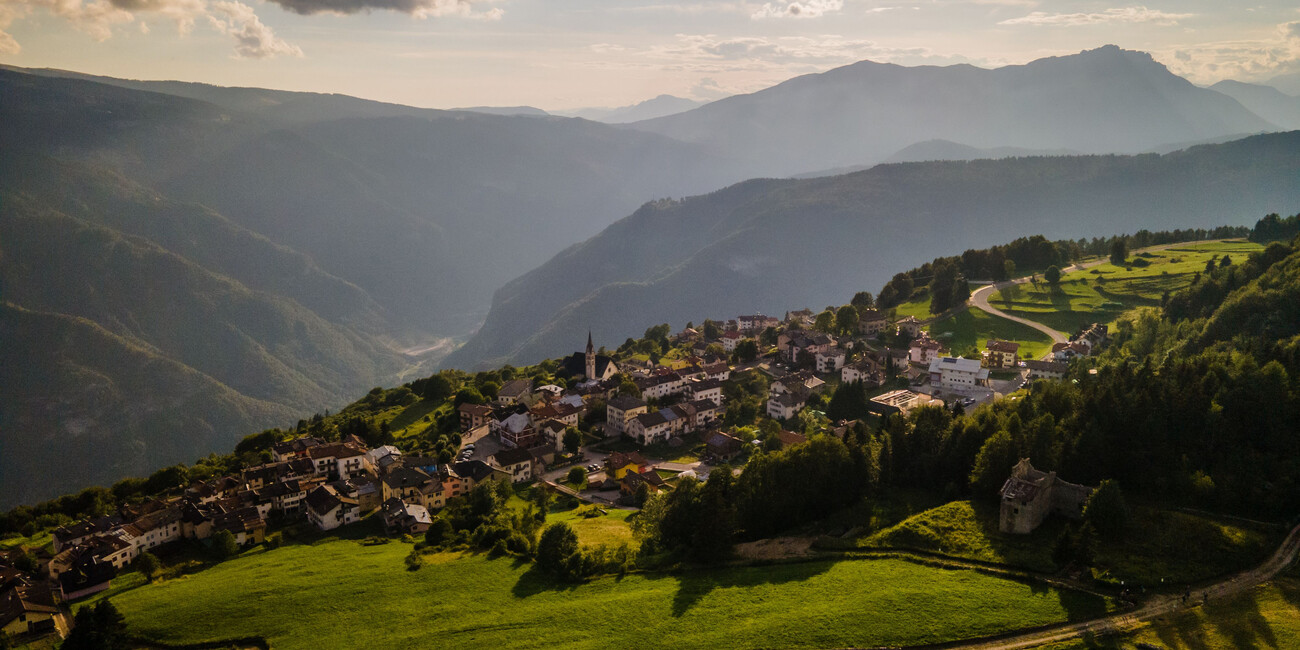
(1175, 547)
(1102, 293)
(970, 329)
(362, 596)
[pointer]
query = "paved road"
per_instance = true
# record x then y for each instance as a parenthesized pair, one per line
(1156, 607)
(980, 297)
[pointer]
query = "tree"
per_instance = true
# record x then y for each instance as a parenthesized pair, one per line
(1118, 251)
(846, 320)
(1052, 275)
(438, 388)
(1225, 262)
(715, 350)
(572, 440)
(825, 322)
(1008, 269)
(556, 548)
(863, 300)
(1063, 550)
(628, 388)
(716, 529)
(440, 531)
(224, 544)
(1107, 510)
(712, 331)
(101, 627)
(576, 475)
(960, 291)
(747, 351)
(147, 564)
(993, 463)
(468, 395)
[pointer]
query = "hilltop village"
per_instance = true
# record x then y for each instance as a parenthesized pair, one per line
(592, 439)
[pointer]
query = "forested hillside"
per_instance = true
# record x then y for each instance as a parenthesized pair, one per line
(773, 245)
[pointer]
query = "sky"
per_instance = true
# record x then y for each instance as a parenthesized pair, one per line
(567, 54)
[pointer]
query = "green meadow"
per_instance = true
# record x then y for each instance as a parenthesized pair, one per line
(1175, 547)
(972, 328)
(1102, 293)
(348, 595)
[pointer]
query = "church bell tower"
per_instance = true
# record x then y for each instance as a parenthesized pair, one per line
(591, 358)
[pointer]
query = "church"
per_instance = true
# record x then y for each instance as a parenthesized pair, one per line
(595, 367)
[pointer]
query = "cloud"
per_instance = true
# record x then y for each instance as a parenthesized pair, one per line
(254, 40)
(709, 89)
(798, 9)
(8, 14)
(1243, 60)
(417, 8)
(1109, 16)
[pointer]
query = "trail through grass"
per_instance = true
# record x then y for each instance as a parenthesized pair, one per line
(970, 329)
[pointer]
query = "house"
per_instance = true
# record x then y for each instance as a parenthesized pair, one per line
(956, 373)
(785, 405)
(905, 400)
(804, 317)
(618, 464)
(516, 430)
(923, 350)
(338, 460)
(1029, 495)
(1064, 352)
(793, 343)
(1046, 369)
(650, 428)
(30, 609)
(246, 524)
(1000, 354)
(516, 462)
(621, 409)
(405, 483)
(871, 322)
(789, 438)
(718, 370)
(909, 327)
(473, 416)
(723, 446)
(755, 323)
(329, 510)
(156, 528)
(296, 448)
(514, 391)
(799, 382)
(79, 532)
(732, 339)
(474, 472)
(705, 389)
(550, 434)
(830, 360)
(659, 385)
(706, 411)
(405, 518)
(632, 481)
(864, 370)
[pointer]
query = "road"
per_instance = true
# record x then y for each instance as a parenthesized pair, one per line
(980, 297)
(1154, 608)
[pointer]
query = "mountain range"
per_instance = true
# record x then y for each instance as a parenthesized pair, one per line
(1106, 100)
(766, 246)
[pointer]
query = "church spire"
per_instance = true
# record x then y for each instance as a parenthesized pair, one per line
(591, 358)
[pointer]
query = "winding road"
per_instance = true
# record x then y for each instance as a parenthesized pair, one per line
(1155, 607)
(980, 297)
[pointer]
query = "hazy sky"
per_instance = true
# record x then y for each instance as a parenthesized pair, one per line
(559, 54)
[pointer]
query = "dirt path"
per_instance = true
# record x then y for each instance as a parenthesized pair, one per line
(1158, 606)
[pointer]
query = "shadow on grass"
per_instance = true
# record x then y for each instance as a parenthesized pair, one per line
(694, 584)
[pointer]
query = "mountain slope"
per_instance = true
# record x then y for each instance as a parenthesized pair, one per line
(1099, 101)
(769, 246)
(1265, 101)
(93, 407)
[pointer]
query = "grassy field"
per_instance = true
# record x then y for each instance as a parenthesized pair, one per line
(41, 539)
(1176, 547)
(362, 596)
(594, 529)
(970, 329)
(1079, 300)
(1265, 617)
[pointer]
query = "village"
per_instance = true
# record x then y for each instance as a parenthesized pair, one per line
(657, 423)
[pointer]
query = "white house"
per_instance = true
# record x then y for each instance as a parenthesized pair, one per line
(956, 373)
(830, 360)
(785, 405)
(924, 350)
(705, 389)
(620, 410)
(327, 510)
